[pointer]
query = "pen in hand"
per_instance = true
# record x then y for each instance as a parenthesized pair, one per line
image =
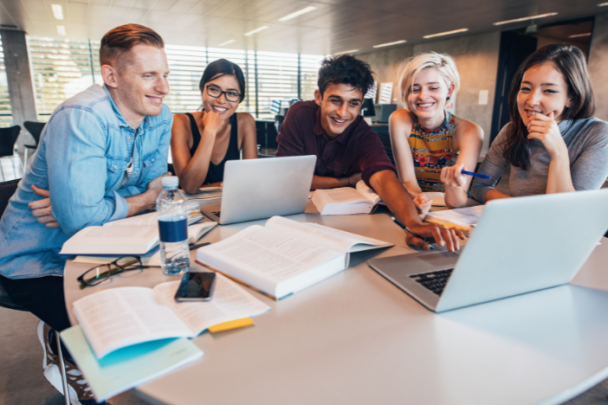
(480, 175)
(402, 225)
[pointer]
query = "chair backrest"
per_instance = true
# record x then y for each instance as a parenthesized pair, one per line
(7, 189)
(35, 128)
(275, 107)
(7, 302)
(8, 137)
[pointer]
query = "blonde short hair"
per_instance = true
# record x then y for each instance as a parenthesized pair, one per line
(412, 66)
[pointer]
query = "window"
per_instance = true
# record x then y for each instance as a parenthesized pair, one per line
(63, 68)
(5, 105)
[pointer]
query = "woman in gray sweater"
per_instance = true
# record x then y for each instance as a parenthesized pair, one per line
(553, 143)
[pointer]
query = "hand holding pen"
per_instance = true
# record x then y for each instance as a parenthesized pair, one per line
(422, 235)
(453, 176)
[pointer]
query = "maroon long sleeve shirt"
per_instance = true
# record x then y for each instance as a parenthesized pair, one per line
(357, 150)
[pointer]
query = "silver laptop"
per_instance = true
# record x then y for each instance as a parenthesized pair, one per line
(260, 188)
(519, 245)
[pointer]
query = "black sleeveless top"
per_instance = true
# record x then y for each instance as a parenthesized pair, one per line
(216, 172)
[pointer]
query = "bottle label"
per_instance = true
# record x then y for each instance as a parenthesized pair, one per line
(172, 230)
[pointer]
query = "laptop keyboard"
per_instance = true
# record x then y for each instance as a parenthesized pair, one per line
(434, 280)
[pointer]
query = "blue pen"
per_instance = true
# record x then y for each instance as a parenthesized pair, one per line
(481, 176)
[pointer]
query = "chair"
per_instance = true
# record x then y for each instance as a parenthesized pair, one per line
(7, 189)
(35, 128)
(8, 137)
(275, 107)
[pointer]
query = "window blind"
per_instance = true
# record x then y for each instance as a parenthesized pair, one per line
(5, 105)
(63, 68)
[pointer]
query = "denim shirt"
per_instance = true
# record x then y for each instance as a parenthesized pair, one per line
(82, 156)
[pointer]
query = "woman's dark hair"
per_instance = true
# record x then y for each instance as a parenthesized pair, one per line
(570, 62)
(222, 67)
(345, 69)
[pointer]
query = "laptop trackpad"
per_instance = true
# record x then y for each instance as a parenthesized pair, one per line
(439, 259)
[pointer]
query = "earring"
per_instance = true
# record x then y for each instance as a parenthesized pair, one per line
(447, 98)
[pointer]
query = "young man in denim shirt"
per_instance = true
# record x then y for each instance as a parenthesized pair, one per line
(100, 157)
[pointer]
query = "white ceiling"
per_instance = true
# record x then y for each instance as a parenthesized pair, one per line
(335, 26)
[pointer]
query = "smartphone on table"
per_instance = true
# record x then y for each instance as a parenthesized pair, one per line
(196, 286)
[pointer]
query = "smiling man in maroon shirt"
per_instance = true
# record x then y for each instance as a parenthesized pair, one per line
(347, 150)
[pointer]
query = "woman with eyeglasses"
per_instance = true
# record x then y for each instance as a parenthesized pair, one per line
(203, 141)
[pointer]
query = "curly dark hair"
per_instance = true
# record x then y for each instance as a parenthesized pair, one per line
(570, 62)
(345, 69)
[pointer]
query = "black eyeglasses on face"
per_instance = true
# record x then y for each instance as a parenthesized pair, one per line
(99, 274)
(231, 95)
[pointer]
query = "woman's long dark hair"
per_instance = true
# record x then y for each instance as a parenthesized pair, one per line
(569, 61)
(220, 68)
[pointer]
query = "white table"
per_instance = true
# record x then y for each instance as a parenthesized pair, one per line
(356, 339)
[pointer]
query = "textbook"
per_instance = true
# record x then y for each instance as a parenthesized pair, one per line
(129, 236)
(463, 219)
(128, 367)
(346, 200)
(284, 256)
(119, 317)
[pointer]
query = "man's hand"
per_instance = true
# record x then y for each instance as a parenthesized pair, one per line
(156, 185)
(42, 209)
(447, 237)
(423, 204)
(354, 179)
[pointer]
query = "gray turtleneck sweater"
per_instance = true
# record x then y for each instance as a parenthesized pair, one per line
(587, 141)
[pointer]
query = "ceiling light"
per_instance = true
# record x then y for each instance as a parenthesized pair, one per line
(602, 4)
(446, 33)
(227, 42)
(57, 11)
(534, 17)
(256, 31)
(586, 34)
(298, 13)
(343, 52)
(403, 41)
(61, 29)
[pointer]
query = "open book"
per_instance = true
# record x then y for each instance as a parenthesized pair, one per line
(463, 219)
(129, 236)
(284, 256)
(120, 317)
(346, 200)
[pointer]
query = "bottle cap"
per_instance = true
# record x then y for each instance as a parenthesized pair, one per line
(170, 182)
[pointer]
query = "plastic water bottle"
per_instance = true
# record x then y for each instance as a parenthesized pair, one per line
(173, 228)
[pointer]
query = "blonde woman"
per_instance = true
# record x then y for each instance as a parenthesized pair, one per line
(431, 145)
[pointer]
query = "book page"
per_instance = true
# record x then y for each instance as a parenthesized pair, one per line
(464, 217)
(368, 193)
(229, 302)
(149, 219)
(343, 195)
(267, 254)
(120, 317)
(112, 240)
(334, 239)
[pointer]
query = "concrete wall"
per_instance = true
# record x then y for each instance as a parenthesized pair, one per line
(20, 86)
(476, 57)
(598, 65)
